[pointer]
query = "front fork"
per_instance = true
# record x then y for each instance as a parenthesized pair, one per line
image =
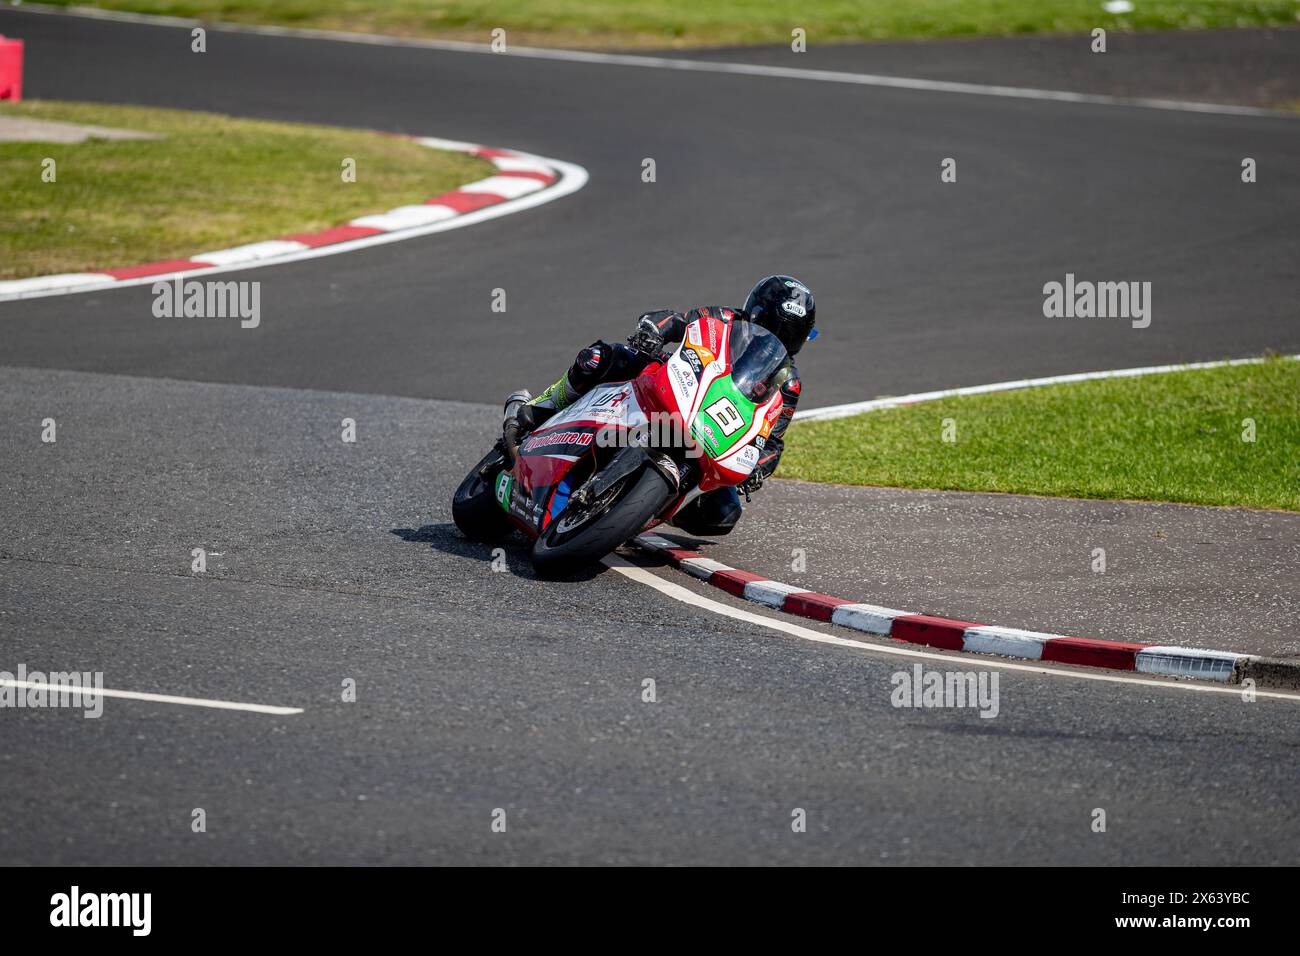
(627, 462)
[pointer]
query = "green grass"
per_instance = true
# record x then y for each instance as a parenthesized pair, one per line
(717, 22)
(208, 183)
(1170, 437)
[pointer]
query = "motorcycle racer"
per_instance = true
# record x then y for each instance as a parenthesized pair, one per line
(781, 304)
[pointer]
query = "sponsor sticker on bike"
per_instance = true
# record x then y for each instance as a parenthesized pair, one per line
(581, 439)
(683, 380)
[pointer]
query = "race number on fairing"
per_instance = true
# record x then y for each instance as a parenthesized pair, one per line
(725, 414)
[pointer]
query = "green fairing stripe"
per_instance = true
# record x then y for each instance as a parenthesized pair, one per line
(720, 390)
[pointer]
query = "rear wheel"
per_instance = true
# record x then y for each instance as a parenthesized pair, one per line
(474, 506)
(579, 536)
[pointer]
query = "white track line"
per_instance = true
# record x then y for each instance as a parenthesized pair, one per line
(686, 596)
(154, 698)
(875, 404)
(672, 63)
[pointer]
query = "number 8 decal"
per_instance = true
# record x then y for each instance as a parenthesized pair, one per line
(725, 414)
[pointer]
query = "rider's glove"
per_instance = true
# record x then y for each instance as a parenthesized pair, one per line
(647, 338)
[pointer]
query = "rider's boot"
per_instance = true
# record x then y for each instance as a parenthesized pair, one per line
(516, 401)
(711, 514)
(512, 429)
(523, 413)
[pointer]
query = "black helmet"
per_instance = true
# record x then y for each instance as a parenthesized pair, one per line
(783, 305)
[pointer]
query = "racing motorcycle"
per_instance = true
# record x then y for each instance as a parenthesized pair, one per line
(626, 456)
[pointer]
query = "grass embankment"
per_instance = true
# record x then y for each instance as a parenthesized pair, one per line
(664, 23)
(1170, 437)
(209, 182)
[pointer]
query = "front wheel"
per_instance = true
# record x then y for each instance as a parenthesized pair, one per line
(579, 536)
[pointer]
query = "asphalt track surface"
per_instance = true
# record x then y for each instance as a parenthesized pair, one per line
(921, 284)
(1242, 67)
(478, 689)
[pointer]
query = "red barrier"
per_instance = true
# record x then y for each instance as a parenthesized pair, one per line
(11, 70)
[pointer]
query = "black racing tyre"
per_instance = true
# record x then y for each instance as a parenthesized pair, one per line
(474, 506)
(573, 540)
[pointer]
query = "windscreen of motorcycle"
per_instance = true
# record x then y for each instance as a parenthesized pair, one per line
(716, 392)
(755, 356)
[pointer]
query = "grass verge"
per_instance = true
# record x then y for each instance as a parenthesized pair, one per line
(663, 23)
(209, 182)
(1180, 436)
